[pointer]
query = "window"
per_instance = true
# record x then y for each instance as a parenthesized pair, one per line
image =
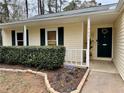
(52, 37)
(19, 39)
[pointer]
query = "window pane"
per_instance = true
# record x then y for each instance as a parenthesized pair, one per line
(52, 38)
(52, 35)
(20, 43)
(19, 36)
(52, 42)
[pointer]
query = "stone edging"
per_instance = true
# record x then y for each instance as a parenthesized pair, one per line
(81, 84)
(49, 88)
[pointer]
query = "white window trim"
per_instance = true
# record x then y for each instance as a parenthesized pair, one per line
(46, 35)
(16, 41)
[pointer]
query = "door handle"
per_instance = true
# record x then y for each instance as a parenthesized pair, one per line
(104, 44)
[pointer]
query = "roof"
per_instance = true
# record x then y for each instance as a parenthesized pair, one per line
(80, 12)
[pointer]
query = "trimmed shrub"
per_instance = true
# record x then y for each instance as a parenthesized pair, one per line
(38, 57)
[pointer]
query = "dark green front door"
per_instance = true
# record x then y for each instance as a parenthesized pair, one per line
(104, 42)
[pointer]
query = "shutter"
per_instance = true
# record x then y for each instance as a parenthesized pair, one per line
(13, 37)
(27, 37)
(42, 37)
(61, 36)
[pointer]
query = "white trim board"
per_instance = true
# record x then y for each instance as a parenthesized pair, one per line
(103, 59)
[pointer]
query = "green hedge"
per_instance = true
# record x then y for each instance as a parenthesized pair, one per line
(38, 57)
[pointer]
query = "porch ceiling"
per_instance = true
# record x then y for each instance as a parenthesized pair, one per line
(103, 19)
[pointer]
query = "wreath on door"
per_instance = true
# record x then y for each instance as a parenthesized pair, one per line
(104, 31)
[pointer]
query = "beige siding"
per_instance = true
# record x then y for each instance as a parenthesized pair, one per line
(72, 34)
(6, 37)
(34, 36)
(119, 44)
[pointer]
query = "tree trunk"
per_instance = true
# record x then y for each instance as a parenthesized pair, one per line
(26, 5)
(6, 19)
(38, 6)
(41, 7)
(49, 6)
(60, 5)
(56, 3)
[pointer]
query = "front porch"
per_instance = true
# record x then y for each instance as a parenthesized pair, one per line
(103, 66)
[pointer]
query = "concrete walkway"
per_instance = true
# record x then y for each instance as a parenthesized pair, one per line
(103, 66)
(102, 82)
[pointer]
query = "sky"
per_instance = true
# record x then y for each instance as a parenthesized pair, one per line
(107, 1)
(104, 1)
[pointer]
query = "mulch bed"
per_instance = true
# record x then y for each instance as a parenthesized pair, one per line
(64, 80)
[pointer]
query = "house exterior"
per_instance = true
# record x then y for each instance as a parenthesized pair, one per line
(95, 33)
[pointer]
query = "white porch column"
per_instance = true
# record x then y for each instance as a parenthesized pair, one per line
(88, 42)
(82, 42)
(82, 32)
(25, 35)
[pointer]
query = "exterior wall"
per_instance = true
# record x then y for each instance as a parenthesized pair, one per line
(72, 34)
(119, 44)
(34, 36)
(73, 38)
(6, 35)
